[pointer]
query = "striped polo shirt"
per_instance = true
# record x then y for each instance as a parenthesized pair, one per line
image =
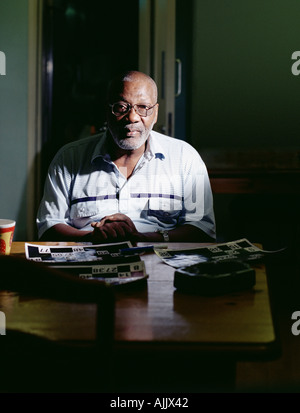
(168, 187)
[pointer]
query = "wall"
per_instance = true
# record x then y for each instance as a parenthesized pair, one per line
(13, 113)
(244, 93)
(245, 109)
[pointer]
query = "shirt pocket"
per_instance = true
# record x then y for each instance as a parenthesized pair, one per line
(164, 210)
(82, 215)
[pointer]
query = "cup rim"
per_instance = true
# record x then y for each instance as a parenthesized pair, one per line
(7, 223)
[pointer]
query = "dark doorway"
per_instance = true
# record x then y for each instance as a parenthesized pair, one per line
(85, 44)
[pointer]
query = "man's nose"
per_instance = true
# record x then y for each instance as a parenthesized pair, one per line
(133, 116)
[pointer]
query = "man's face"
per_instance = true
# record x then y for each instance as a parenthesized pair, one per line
(130, 131)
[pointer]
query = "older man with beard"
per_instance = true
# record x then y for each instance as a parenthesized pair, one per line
(129, 183)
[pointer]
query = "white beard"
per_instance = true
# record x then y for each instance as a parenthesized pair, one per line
(132, 143)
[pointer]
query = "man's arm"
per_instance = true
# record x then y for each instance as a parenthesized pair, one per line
(110, 231)
(119, 227)
(183, 233)
(64, 232)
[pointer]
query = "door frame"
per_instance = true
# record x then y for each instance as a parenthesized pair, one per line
(157, 21)
(34, 115)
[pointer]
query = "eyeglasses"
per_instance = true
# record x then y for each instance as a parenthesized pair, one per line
(122, 108)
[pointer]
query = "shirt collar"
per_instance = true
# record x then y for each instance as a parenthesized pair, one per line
(101, 148)
(153, 149)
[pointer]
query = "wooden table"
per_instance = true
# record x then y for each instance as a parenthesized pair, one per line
(164, 339)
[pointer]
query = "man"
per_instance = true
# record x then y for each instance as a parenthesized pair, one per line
(130, 183)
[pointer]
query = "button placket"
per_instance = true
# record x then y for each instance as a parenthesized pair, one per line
(124, 198)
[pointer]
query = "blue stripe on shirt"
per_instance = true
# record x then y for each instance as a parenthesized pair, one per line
(115, 196)
(93, 198)
(147, 195)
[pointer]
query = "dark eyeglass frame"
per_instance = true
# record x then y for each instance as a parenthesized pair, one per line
(135, 107)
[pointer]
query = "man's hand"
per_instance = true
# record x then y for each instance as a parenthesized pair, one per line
(119, 227)
(113, 228)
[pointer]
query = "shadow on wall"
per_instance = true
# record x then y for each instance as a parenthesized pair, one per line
(26, 229)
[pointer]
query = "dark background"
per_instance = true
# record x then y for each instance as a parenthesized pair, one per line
(88, 42)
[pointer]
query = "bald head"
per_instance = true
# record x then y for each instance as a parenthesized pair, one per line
(117, 84)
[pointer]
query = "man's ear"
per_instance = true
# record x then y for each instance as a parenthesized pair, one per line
(156, 113)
